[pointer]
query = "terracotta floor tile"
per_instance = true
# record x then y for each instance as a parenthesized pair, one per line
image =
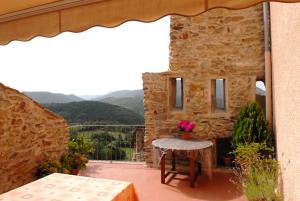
(148, 186)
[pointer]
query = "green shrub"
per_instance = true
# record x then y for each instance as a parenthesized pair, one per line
(251, 126)
(73, 161)
(49, 167)
(81, 144)
(257, 171)
(79, 148)
(261, 181)
(249, 154)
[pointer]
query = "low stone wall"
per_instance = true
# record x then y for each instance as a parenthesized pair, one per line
(29, 134)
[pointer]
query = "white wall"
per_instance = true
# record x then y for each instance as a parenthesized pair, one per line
(285, 25)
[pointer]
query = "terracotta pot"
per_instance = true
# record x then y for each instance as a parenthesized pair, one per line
(227, 161)
(186, 136)
(74, 171)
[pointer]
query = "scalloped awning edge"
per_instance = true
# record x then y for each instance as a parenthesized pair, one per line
(56, 17)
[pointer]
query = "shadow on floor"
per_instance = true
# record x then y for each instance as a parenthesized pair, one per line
(148, 186)
(219, 188)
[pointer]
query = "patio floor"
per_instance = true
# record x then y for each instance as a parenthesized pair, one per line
(148, 186)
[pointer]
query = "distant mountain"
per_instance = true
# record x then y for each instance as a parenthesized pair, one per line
(121, 94)
(89, 97)
(130, 99)
(95, 112)
(43, 97)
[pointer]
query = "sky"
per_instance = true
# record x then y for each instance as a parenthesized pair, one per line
(93, 62)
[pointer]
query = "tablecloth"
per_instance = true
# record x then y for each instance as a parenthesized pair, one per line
(62, 187)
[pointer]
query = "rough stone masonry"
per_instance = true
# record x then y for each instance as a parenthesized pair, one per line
(219, 44)
(29, 135)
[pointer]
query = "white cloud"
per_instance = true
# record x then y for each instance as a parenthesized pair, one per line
(93, 62)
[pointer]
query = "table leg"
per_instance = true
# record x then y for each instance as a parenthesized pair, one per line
(192, 170)
(162, 169)
(173, 161)
(210, 164)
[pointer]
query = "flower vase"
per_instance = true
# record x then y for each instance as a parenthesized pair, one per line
(186, 136)
(74, 171)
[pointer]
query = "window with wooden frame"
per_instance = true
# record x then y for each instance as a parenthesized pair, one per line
(176, 93)
(218, 95)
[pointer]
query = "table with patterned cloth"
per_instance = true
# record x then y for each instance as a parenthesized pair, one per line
(62, 187)
(192, 148)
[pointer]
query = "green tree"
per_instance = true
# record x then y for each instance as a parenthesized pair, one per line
(251, 126)
(107, 147)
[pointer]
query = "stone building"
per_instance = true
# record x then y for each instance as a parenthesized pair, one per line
(29, 135)
(215, 60)
(240, 55)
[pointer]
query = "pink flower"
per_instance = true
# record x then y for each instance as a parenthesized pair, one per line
(189, 127)
(184, 123)
(186, 126)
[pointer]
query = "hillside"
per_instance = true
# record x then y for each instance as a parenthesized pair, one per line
(130, 99)
(48, 97)
(135, 104)
(95, 112)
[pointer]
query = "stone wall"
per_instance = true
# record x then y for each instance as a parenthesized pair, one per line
(285, 21)
(29, 134)
(219, 44)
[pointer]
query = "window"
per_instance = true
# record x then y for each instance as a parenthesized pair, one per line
(261, 94)
(260, 88)
(218, 95)
(176, 93)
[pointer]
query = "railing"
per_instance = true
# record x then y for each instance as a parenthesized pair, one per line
(113, 142)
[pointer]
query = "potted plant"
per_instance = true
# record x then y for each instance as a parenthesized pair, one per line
(227, 159)
(73, 162)
(49, 167)
(78, 162)
(185, 127)
(81, 144)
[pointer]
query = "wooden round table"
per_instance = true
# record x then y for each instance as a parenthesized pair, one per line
(192, 147)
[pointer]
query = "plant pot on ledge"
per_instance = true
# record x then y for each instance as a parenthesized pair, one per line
(74, 171)
(227, 161)
(186, 127)
(186, 136)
